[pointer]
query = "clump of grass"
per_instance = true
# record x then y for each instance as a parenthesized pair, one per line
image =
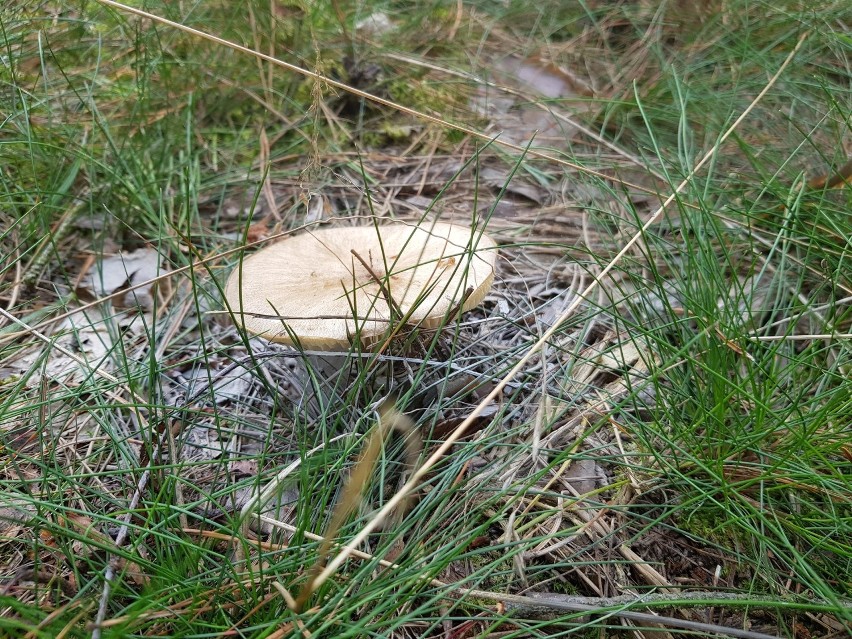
(684, 432)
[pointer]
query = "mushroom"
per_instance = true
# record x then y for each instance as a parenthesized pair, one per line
(324, 289)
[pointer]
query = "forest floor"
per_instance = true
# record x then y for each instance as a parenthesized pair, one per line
(643, 430)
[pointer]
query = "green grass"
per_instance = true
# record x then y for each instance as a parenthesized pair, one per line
(696, 378)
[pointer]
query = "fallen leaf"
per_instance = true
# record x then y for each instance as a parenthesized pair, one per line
(121, 271)
(376, 23)
(502, 178)
(841, 177)
(258, 231)
(583, 475)
(542, 77)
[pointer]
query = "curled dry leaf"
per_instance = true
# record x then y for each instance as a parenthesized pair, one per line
(121, 271)
(542, 77)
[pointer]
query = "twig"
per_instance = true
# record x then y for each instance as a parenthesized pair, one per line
(688, 598)
(109, 574)
(813, 336)
(392, 305)
(548, 603)
(289, 318)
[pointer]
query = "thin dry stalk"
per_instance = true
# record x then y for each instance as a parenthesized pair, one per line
(390, 419)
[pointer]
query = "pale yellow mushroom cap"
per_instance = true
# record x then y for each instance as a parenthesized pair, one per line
(314, 284)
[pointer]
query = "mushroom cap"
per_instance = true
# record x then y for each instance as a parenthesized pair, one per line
(312, 286)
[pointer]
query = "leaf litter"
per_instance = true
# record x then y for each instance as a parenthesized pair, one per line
(237, 403)
(248, 403)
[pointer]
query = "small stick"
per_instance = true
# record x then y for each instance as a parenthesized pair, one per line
(385, 292)
(109, 574)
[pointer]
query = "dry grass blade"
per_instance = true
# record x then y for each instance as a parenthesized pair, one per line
(803, 338)
(390, 419)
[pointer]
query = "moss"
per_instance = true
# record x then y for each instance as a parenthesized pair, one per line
(423, 95)
(708, 525)
(499, 568)
(563, 587)
(454, 136)
(434, 98)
